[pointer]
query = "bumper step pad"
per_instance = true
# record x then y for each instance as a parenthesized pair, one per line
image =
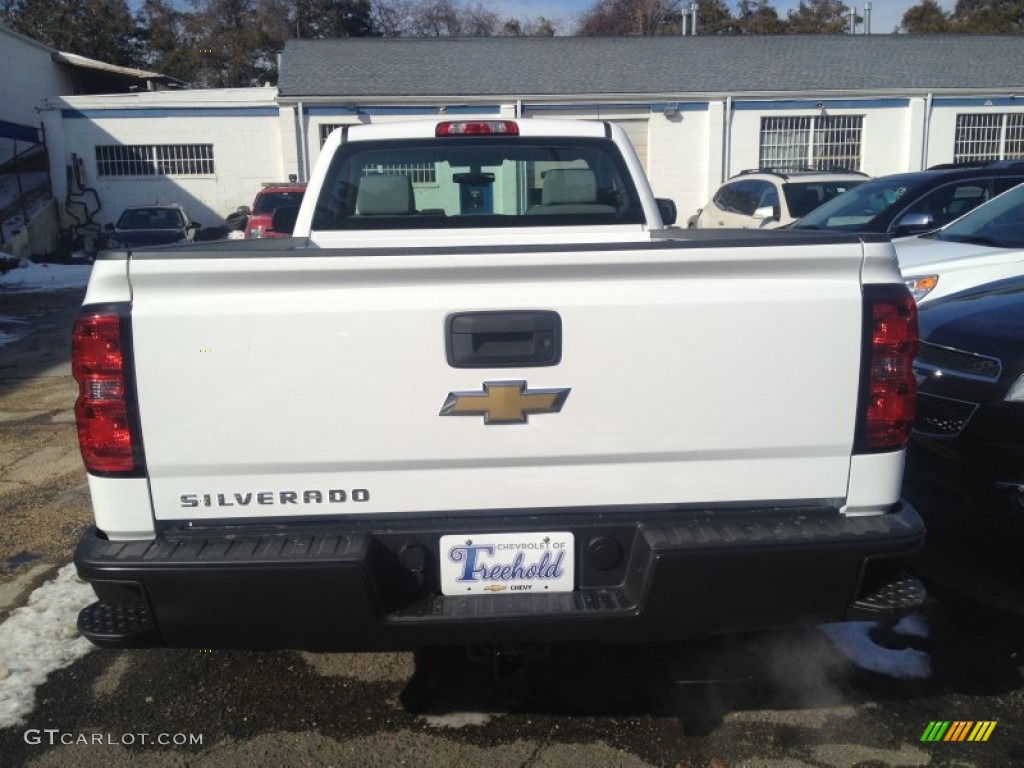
(117, 625)
(894, 600)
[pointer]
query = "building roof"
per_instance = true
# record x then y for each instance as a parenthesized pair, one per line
(552, 66)
(87, 66)
(28, 40)
(263, 99)
(82, 62)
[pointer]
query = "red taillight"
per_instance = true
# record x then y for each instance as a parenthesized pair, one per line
(105, 433)
(889, 390)
(477, 128)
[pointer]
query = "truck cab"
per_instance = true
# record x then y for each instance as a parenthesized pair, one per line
(260, 222)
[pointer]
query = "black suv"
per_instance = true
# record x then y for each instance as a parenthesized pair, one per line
(911, 203)
(965, 463)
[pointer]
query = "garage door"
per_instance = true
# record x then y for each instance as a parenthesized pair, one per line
(636, 130)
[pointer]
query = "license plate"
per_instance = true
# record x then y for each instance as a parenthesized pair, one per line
(507, 563)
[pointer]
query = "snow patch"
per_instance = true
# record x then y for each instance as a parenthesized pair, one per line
(914, 625)
(43, 278)
(39, 638)
(456, 719)
(9, 337)
(853, 640)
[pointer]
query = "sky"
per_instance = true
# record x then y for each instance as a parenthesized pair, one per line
(885, 14)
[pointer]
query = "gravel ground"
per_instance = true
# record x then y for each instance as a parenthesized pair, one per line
(43, 490)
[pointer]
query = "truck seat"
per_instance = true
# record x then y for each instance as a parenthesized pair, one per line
(569, 190)
(385, 195)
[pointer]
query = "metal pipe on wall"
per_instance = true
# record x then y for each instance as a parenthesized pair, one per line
(727, 140)
(926, 131)
(304, 169)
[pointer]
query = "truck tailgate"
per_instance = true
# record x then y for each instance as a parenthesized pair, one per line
(312, 383)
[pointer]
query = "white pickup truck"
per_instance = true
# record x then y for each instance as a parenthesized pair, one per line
(485, 396)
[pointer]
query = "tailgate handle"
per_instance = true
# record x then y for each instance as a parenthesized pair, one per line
(513, 339)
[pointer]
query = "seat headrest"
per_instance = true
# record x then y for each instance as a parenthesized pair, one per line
(569, 185)
(384, 195)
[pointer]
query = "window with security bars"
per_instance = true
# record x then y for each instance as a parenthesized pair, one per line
(419, 173)
(990, 136)
(818, 142)
(325, 131)
(155, 160)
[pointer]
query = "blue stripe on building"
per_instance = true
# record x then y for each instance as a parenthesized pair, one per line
(19, 132)
(97, 114)
(820, 103)
(980, 102)
(458, 109)
(682, 106)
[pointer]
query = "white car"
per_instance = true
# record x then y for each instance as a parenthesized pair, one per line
(982, 246)
(764, 198)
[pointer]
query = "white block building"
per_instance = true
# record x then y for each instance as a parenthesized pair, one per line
(698, 109)
(208, 150)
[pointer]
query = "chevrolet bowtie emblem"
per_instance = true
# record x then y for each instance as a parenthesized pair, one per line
(494, 588)
(504, 402)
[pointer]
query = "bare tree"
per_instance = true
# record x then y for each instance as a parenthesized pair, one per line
(819, 17)
(478, 21)
(330, 18)
(926, 18)
(392, 18)
(539, 27)
(450, 18)
(99, 29)
(989, 17)
(757, 17)
(715, 18)
(436, 18)
(630, 17)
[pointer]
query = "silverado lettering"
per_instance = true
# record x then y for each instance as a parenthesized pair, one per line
(491, 267)
(333, 496)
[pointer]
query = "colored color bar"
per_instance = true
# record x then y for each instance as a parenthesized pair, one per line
(982, 730)
(935, 730)
(958, 731)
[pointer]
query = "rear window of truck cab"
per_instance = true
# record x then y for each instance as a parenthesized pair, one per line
(477, 182)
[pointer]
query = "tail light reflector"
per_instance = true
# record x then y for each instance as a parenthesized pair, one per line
(888, 388)
(106, 434)
(477, 128)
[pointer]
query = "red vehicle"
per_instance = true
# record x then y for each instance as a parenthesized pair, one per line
(268, 199)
